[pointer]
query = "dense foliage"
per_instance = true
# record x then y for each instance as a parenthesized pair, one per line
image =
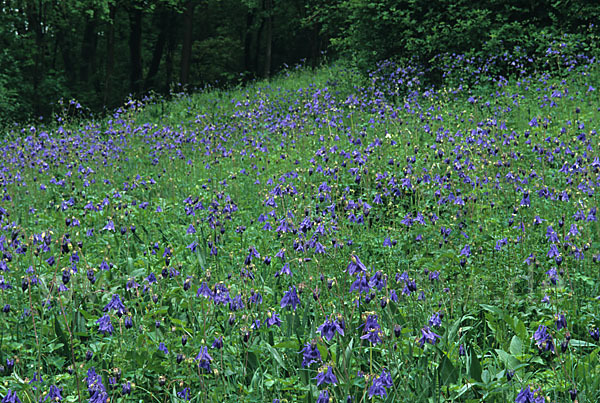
(101, 51)
(312, 237)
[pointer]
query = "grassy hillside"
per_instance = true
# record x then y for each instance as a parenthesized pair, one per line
(318, 236)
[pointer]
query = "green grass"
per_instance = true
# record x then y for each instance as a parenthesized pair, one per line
(348, 165)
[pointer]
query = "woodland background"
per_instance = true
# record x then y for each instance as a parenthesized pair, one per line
(101, 52)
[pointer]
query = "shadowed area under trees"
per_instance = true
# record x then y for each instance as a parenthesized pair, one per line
(100, 52)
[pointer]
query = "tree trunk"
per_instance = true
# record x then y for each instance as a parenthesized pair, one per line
(65, 52)
(110, 54)
(163, 16)
(171, 45)
(186, 51)
(268, 38)
(315, 45)
(35, 19)
(135, 49)
(257, 48)
(248, 42)
(88, 49)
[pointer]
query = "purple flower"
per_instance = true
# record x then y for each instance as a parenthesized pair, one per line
(361, 285)
(218, 343)
(543, 339)
(193, 246)
(11, 397)
(561, 322)
(204, 290)
(373, 336)
(551, 234)
(326, 376)
(184, 394)
(355, 266)
(151, 278)
(105, 326)
(553, 252)
(379, 385)
(527, 396)
(273, 319)
(96, 389)
(163, 348)
(54, 394)
(323, 397)
(290, 298)
(372, 330)
(115, 304)
(435, 320)
(204, 359)
(110, 226)
(466, 251)
(329, 327)
(284, 270)
(310, 354)
(428, 336)
(36, 378)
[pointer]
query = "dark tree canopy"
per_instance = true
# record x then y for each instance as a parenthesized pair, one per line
(102, 51)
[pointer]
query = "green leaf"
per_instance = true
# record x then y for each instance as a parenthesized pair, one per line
(448, 372)
(510, 361)
(293, 344)
(348, 353)
(275, 354)
(474, 366)
(581, 343)
(323, 350)
(516, 346)
(490, 308)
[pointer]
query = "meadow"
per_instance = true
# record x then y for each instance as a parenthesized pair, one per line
(316, 237)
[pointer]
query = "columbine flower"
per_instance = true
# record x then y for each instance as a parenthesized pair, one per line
(110, 226)
(355, 266)
(466, 251)
(310, 354)
(373, 336)
(361, 284)
(435, 320)
(561, 322)
(323, 397)
(104, 325)
(527, 396)
(273, 319)
(184, 394)
(204, 359)
(115, 304)
(54, 394)
(326, 376)
(163, 348)
(378, 388)
(543, 339)
(290, 298)
(329, 327)
(36, 378)
(218, 343)
(96, 389)
(428, 336)
(11, 397)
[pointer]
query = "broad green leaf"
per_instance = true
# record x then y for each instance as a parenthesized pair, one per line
(516, 346)
(474, 366)
(447, 371)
